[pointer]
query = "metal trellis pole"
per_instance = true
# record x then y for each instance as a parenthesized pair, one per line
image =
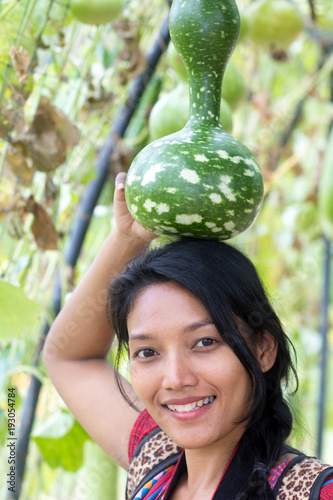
(324, 332)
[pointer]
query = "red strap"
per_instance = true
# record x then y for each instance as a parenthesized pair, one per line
(326, 493)
(143, 426)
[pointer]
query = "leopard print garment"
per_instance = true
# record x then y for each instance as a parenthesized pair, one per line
(157, 451)
(299, 480)
(151, 452)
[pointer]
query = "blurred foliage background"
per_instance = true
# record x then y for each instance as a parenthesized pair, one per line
(62, 86)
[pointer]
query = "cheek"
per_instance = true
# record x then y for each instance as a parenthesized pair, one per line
(141, 382)
(240, 384)
(134, 379)
(246, 390)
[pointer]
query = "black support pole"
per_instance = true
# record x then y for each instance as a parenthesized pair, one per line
(325, 324)
(80, 227)
(324, 333)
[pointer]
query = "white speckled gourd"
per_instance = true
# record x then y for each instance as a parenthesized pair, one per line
(199, 181)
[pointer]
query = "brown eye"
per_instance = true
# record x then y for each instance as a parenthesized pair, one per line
(205, 342)
(145, 353)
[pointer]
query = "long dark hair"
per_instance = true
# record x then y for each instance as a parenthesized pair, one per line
(227, 284)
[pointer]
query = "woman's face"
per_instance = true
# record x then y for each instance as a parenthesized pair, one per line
(187, 377)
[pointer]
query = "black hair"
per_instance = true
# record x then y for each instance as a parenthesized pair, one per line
(227, 284)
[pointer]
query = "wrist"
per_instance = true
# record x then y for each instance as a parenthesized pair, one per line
(130, 245)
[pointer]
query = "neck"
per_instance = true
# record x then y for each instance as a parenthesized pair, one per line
(201, 482)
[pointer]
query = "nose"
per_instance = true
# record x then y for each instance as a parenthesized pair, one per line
(178, 372)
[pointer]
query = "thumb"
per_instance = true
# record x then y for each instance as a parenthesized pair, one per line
(120, 184)
(120, 206)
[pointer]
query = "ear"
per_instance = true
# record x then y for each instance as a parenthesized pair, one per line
(266, 351)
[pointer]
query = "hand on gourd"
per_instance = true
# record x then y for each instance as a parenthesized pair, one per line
(125, 224)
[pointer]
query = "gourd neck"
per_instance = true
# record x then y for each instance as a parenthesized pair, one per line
(205, 97)
(204, 33)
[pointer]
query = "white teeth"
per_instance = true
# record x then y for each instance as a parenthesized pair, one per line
(191, 406)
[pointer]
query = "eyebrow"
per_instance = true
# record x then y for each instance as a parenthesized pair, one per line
(190, 328)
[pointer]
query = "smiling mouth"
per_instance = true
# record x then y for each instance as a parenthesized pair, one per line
(191, 406)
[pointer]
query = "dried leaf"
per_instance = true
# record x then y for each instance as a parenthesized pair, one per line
(279, 54)
(132, 57)
(17, 168)
(51, 191)
(11, 120)
(4, 205)
(121, 157)
(21, 62)
(99, 99)
(49, 138)
(137, 61)
(9, 198)
(43, 229)
(125, 28)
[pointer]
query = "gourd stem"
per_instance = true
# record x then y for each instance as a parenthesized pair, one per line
(205, 97)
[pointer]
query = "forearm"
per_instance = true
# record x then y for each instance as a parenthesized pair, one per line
(81, 330)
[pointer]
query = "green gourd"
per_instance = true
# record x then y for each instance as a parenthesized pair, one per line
(199, 181)
(273, 23)
(96, 11)
(233, 88)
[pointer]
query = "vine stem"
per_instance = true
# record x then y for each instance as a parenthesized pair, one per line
(312, 10)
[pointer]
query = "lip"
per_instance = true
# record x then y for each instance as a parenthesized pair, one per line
(191, 415)
(185, 401)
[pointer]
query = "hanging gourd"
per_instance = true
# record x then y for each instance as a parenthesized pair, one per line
(96, 11)
(233, 88)
(200, 181)
(273, 24)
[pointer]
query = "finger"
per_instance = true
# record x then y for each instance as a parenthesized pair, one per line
(120, 205)
(120, 185)
(120, 180)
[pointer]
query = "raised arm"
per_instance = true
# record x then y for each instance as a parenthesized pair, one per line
(78, 342)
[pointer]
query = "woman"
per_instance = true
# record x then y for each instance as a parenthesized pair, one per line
(205, 416)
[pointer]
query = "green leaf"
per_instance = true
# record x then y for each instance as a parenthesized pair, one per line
(103, 469)
(18, 313)
(60, 440)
